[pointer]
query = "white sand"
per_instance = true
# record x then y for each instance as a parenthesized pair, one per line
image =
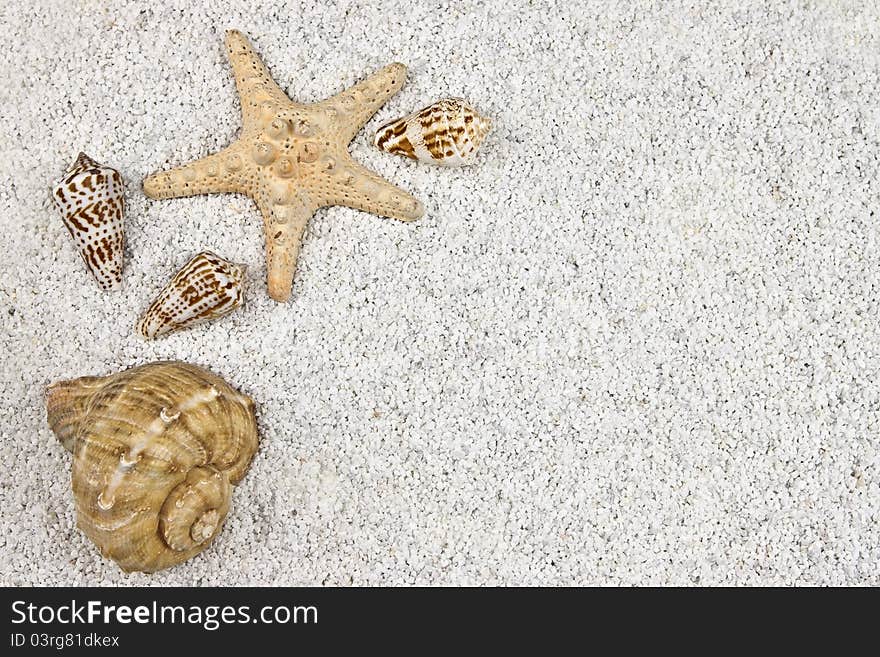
(638, 342)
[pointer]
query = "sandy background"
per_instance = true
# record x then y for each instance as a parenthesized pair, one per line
(638, 342)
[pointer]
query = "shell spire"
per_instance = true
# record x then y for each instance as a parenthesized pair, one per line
(157, 450)
(92, 204)
(447, 133)
(206, 288)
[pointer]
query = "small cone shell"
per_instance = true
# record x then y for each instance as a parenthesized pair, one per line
(206, 288)
(92, 204)
(157, 450)
(447, 133)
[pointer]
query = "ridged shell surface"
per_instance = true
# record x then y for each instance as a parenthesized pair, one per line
(157, 449)
(447, 133)
(206, 288)
(92, 204)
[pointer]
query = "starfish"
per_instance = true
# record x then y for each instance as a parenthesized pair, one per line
(292, 159)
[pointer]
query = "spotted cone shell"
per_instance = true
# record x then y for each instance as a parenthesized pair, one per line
(447, 133)
(92, 204)
(156, 451)
(206, 288)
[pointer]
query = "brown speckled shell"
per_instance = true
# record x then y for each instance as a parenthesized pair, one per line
(447, 133)
(91, 198)
(157, 449)
(206, 288)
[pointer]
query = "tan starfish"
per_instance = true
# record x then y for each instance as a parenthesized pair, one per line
(292, 159)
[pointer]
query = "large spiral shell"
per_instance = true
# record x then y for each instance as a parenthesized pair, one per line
(156, 450)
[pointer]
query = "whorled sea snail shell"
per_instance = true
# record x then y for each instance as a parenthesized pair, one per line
(206, 288)
(91, 198)
(447, 132)
(156, 450)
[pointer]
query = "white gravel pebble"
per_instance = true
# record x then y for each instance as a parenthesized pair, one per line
(638, 342)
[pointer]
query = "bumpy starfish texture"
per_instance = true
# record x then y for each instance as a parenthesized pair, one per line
(292, 159)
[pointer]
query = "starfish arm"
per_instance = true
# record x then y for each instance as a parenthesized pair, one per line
(284, 223)
(356, 105)
(216, 173)
(355, 186)
(252, 79)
